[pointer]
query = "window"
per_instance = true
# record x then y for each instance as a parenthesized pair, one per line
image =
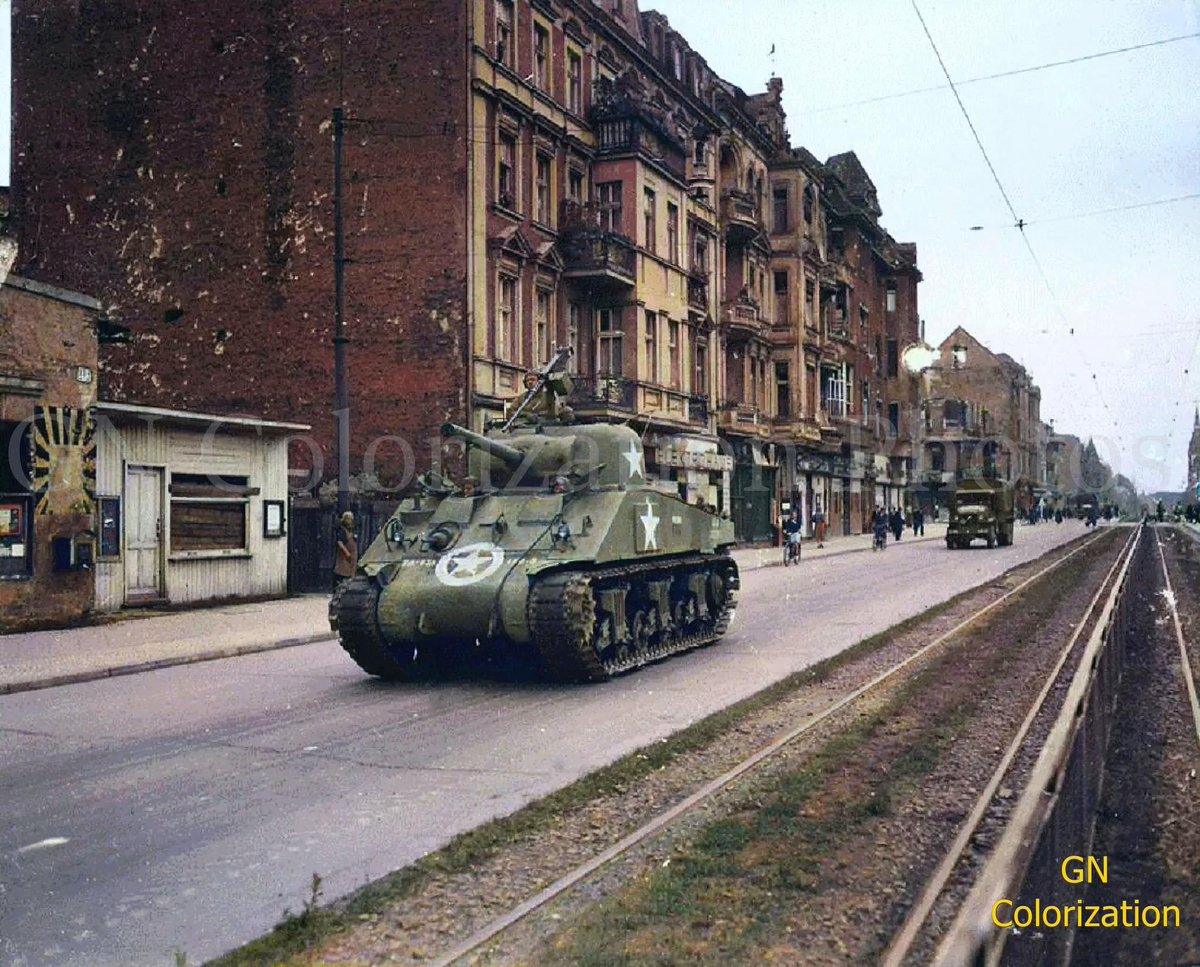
(208, 513)
(673, 353)
(783, 391)
(652, 374)
(862, 316)
(700, 377)
(833, 390)
(810, 199)
(574, 82)
(504, 29)
(506, 176)
(543, 326)
(890, 297)
(610, 352)
(810, 297)
(893, 358)
(958, 355)
(866, 401)
(781, 297)
(506, 319)
(542, 177)
(780, 218)
(937, 457)
(673, 233)
(649, 226)
(954, 414)
(837, 241)
(700, 152)
(541, 57)
(575, 324)
(894, 418)
(575, 186)
(700, 253)
(608, 197)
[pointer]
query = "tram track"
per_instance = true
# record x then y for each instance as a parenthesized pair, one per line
(948, 886)
(841, 707)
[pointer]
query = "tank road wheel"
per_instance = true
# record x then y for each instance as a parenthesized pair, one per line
(354, 614)
(641, 630)
(580, 625)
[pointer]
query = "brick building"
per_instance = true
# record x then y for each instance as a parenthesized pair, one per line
(983, 410)
(47, 453)
(518, 174)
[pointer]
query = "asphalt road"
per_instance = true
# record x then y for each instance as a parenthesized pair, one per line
(185, 809)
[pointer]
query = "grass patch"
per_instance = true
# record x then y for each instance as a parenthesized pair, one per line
(299, 934)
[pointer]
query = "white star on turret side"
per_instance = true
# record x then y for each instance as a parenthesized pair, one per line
(634, 459)
(650, 526)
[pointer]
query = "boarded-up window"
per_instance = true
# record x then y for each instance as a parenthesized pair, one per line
(208, 513)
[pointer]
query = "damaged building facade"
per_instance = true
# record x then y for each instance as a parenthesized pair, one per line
(518, 175)
(982, 411)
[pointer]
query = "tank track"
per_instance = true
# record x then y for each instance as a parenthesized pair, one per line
(353, 614)
(574, 635)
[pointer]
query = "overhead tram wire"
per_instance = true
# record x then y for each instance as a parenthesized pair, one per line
(1100, 211)
(1018, 222)
(1002, 74)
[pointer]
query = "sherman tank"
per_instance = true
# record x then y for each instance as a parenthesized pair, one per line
(556, 549)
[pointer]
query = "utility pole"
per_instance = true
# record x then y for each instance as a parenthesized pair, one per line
(341, 401)
(341, 391)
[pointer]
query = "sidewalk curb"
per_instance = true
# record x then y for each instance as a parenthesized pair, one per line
(133, 668)
(830, 553)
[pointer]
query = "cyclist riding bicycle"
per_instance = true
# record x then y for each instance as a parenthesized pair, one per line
(792, 529)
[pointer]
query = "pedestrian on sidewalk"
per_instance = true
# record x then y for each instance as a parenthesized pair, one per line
(918, 522)
(819, 525)
(897, 521)
(347, 550)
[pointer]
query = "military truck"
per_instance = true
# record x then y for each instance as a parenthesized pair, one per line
(981, 508)
(557, 550)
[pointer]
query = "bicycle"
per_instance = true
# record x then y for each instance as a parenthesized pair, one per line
(791, 551)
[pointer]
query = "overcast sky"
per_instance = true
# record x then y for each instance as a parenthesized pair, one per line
(1108, 132)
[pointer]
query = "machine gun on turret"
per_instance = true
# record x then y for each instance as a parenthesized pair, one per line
(552, 380)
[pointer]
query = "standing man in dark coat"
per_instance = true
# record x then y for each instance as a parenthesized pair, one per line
(918, 522)
(346, 557)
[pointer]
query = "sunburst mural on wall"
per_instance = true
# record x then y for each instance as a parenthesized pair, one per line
(64, 460)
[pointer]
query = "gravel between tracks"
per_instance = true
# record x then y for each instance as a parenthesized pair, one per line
(868, 877)
(1148, 821)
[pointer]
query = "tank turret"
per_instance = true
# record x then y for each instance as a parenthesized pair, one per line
(560, 551)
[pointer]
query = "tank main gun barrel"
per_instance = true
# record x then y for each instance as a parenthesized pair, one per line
(511, 456)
